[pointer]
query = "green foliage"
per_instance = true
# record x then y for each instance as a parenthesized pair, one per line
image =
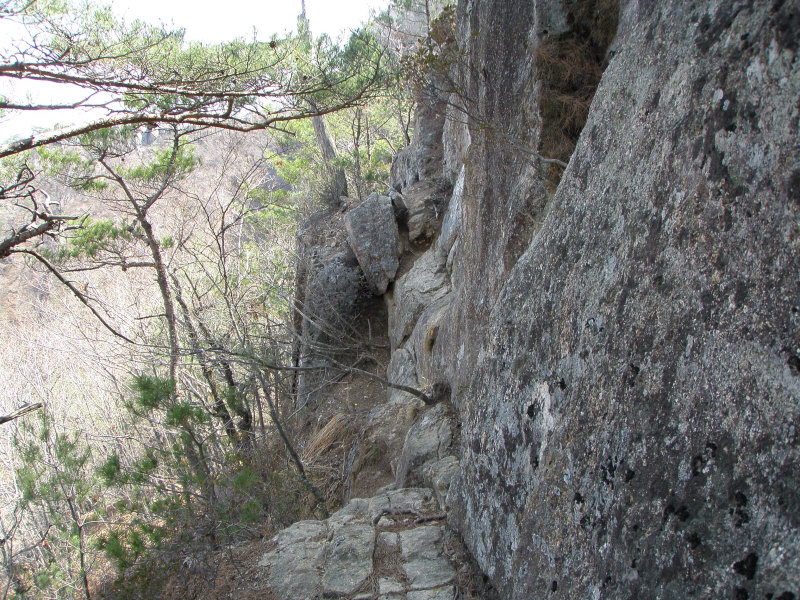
(152, 392)
(183, 414)
(366, 138)
(114, 549)
(106, 143)
(276, 211)
(124, 546)
(58, 161)
(166, 163)
(252, 512)
(109, 471)
(433, 55)
(57, 487)
(144, 466)
(48, 577)
(180, 466)
(11, 166)
(154, 75)
(92, 238)
(245, 480)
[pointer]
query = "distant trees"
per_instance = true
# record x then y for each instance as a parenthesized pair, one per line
(201, 252)
(183, 253)
(143, 75)
(140, 75)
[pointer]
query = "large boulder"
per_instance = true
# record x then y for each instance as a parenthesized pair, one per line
(425, 283)
(425, 203)
(428, 441)
(330, 295)
(375, 240)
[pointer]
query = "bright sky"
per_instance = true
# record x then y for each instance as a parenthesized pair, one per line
(205, 22)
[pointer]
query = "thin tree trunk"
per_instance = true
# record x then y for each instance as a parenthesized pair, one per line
(428, 15)
(166, 296)
(289, 447)
(235, 404)
(337, 185)
(357, 151)
(140, 210)
(199, 463)
(220, 408)
(73, 511)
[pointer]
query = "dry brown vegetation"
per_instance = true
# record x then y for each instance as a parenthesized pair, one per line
(570, 66)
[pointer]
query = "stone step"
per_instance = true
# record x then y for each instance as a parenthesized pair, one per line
(394, 546)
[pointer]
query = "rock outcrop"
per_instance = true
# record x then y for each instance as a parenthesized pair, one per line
(375, 240)
(629, 429)
(390, 547)
(614, 350)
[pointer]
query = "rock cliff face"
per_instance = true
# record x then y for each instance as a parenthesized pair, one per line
(616, 359)
(631, 427)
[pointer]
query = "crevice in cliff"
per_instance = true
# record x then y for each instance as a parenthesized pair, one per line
(570, 66)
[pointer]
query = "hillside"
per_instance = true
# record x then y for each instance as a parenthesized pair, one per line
(557, 356)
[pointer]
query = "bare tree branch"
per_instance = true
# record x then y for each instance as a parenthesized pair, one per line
(24, 410)
(80, 296)
(289, 447)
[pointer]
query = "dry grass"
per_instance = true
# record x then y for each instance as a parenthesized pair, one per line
(388, 563)
(570, 67)
(230, 574)
(321, 441)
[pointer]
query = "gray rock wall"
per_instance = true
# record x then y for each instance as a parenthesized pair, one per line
(503, 196)
(631, 427)
(622, 352)
(332, 297)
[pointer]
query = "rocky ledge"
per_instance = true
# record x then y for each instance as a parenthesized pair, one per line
(393, 546)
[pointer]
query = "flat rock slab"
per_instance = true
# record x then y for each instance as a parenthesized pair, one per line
(354, 511)
(426, 573)
(415, 500)
(421, 542)
(338, 558)
(390, 586)
(348, 560)
(441, 593)
(293, 570)
(301, 531)
(373, 235)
